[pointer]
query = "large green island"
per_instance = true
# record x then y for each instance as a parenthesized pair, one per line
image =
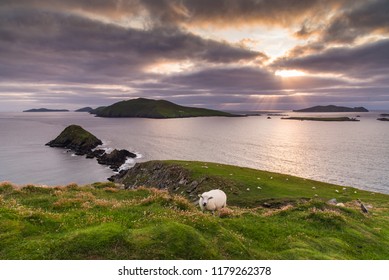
(151, 213)
(156, 109)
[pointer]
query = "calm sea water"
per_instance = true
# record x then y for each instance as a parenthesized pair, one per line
(345, 153)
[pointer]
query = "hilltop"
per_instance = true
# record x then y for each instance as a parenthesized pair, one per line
(156, 109)
(331, 109)
(45, 110)
(269, 216)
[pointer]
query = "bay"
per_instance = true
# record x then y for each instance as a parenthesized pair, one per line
(346, 153)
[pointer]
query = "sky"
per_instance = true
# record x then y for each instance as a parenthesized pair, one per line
(221, 54)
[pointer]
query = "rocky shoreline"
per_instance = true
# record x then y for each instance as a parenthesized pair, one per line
(83, 143)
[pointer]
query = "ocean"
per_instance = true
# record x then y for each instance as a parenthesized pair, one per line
(345, 153)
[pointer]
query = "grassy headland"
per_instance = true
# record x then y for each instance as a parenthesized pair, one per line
(157, 109)
(270, 216)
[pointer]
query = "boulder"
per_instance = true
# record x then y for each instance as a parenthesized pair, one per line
(115, 159)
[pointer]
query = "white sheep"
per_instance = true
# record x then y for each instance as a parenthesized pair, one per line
(213, 200)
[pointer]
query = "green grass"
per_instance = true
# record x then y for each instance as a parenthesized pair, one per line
(101, 221)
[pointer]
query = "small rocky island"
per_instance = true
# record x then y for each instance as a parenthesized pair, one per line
(45, 110)
(331, 109)
(82, 142)
(383, 119)
(325, 119)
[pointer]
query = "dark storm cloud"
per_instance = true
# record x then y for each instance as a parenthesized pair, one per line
(67, 52)
(356, 20)
(56, 46)
(247, 80)
(369, 18)
(229, 79)
(364, 62)
(194, 12)
(232, 12)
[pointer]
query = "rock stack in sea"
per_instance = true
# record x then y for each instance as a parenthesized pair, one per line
(77, 139)
(82, 142)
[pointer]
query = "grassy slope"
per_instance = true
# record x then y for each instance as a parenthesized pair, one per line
(103, 222)
(148, 108)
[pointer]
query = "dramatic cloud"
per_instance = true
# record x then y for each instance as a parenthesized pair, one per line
(217, 12)
(364, 62)
(355, 24)
(219, 53)
(62, 47)
(370, 18)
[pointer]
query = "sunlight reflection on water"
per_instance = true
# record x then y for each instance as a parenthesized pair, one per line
(347, 153)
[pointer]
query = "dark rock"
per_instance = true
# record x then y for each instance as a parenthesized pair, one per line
(95, 153)
(171, 177)
(82, 142)
(115, 159)
(77, 139)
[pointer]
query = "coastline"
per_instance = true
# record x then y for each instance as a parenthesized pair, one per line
(273, 216)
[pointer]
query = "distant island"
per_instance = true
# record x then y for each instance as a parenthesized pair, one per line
(84, 109)
(94, 111)
(45, 110)
(336, 119)
(383, 119)
(331, 109)
(155, 109)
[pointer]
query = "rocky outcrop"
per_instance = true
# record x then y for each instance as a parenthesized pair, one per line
(82, 142)
(115, 159)
(77, 139)
(171, 177)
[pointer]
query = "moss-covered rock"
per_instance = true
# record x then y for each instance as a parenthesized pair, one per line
(75, 138)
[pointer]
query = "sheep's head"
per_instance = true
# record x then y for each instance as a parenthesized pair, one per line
(205, 199)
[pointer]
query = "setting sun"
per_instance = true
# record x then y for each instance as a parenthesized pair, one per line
(289, 73)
